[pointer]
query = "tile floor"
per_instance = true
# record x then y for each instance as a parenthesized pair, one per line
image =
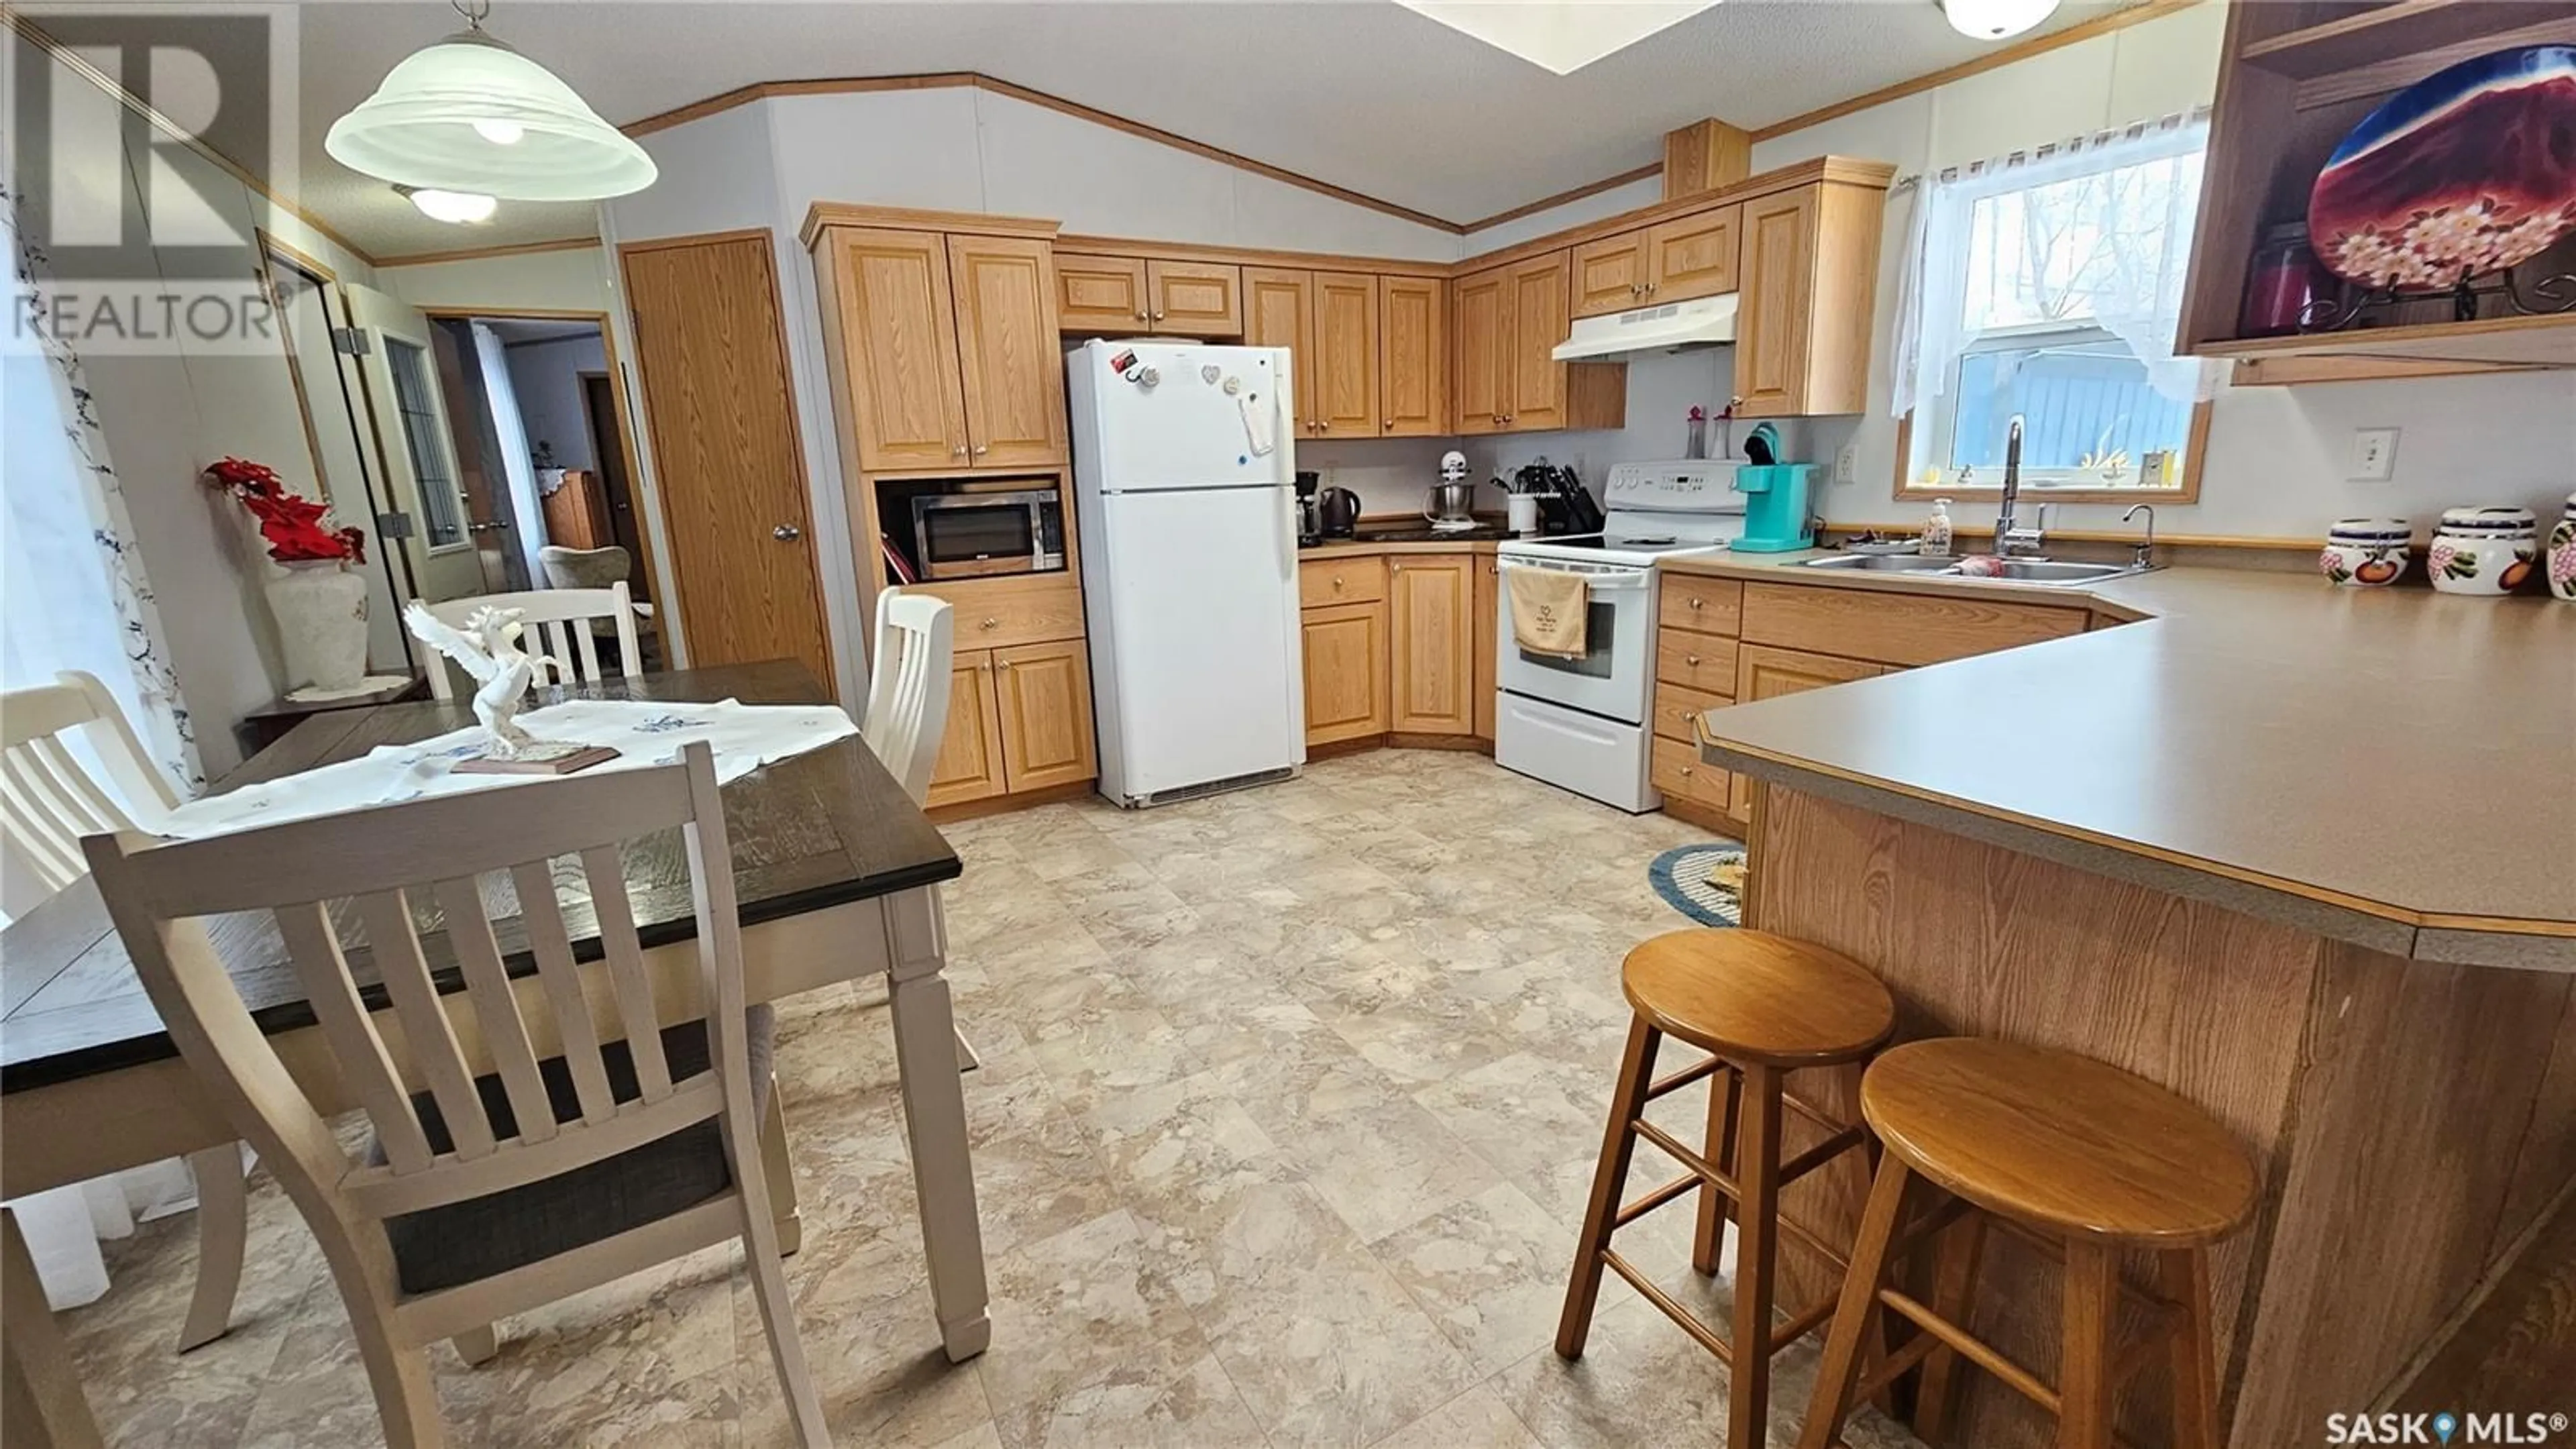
(1288, 1105)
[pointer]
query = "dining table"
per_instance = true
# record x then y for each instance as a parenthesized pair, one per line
(838, 874)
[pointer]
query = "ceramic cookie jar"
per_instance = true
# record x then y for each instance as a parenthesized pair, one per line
(2483, 551)
(2562, 554)
(2365, 553)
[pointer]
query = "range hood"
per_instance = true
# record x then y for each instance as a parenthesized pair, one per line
(1700, 322)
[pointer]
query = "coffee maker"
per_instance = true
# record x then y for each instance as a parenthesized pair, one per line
(1310, 509)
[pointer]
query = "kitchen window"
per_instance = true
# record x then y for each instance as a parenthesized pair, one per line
(2048, 286)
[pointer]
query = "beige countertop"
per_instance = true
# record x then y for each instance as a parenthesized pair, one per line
(2395, 767)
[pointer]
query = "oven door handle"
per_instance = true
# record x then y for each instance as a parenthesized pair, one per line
(1605, 581)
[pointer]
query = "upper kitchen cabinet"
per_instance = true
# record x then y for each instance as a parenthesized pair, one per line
(1508, 321)
(1413, 357)
(1165, 297)
(941, 341)
(1808, 275)
(1671, 261)
(1328, 321)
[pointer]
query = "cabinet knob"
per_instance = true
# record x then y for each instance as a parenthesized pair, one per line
(1650, 289)
(1159, 316)
(981, 451)
(957, 452)
(1694, 603)
(1323, 427)
(1636, 289)
(1691, 659)
(1144, 316)
(1511, 417)
(991, 624)
(1686, 770)
(1498, 420)
(786, 533)
(1337, 581)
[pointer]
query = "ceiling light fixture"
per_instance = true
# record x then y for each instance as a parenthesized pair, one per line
(1560, 35)
(465, 208)
(469, 114)
(1995, 19)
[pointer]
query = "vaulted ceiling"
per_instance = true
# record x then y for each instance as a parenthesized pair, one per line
(1365, 94)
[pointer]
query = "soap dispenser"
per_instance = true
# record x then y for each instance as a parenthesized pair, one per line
(1936, 529)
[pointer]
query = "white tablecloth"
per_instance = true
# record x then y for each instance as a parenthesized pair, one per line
(744, 737)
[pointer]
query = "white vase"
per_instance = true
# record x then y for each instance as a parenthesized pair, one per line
(321, 610)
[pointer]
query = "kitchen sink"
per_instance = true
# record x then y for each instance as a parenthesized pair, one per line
(2019, 570)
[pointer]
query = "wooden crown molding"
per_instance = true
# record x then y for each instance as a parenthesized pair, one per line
(1835, 170)
(71, 60)
(476, 254)
(907, 218)
(1170, 251)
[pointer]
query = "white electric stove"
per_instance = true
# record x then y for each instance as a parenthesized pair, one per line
(1583, 723)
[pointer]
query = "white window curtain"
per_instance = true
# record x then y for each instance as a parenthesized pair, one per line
(77, 597)
(2097, 228)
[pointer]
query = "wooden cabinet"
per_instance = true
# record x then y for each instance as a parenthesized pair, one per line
(1677, 770)
(1045, 695)
(1007, 352)
(1432, 631)
(1610, 274)
(1762, 672)
(970, 755)
(1509, 320)
(1671, 261)
(1357, 580)
(1693, 256)
(1898, 629)
(897, 341)
(1483, 675)
(1809, 278)
(1413, 357)
(1329, 323)
(1704, 605)
(1346, 671)
(1099, 293)
(945, 348)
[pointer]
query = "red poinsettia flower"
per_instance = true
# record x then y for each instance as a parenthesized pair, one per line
(292, 524)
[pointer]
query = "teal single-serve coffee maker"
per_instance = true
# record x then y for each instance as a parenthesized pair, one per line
(1775, 497)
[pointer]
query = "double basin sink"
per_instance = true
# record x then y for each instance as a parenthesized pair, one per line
(2018, 570)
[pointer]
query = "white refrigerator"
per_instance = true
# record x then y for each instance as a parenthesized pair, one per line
(1183, 472)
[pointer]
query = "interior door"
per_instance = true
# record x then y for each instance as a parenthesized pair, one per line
(721, 413)
(1007, 352)
(488, 513)
(416, 443)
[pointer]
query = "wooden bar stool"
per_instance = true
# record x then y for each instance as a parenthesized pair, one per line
(2082, 1158)
(1761, 1006)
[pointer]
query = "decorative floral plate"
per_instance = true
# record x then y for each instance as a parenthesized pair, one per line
(2469, 171)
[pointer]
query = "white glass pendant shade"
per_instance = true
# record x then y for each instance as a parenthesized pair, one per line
(465, 208)
(1995, 19)
(471, 114)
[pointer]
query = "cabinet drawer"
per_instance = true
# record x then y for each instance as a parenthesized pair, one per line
(1705, 606)
(1340, 581)
(999, 613)
(1700, 661)
(1762, 672)
(1895, 628)
(1677, 769)
(1677, 708)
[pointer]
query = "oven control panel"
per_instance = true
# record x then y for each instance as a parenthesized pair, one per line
(1698, 485)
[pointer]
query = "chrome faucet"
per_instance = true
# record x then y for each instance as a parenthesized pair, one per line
(2011, 539)
(2142, 554)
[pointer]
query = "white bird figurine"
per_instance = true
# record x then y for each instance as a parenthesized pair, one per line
(487, 648)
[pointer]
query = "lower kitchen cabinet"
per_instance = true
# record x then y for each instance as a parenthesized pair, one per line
(1431, 608)
(1762, 672)
(1045, 696)
(1346, 671)
(1483, 673)
(970, 757)
(1019, 719)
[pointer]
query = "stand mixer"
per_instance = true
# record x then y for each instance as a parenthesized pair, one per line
(1452, 503)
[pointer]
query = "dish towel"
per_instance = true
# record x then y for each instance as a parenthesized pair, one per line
(643, 732)
(1549, 610)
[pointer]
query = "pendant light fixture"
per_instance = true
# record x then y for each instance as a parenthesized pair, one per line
(464, 208)
(1995, 19)
(469, 114)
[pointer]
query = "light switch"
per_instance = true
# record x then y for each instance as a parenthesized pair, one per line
(2374, 454)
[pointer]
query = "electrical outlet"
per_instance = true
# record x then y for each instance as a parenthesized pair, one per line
(2374, 454)
(1847, 464)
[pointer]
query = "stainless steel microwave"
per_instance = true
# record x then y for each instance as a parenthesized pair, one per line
(962, 535)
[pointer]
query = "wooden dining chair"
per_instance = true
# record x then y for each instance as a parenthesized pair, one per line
(558, 632)
(48, 801)
(909, 661)
(562, 1138)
